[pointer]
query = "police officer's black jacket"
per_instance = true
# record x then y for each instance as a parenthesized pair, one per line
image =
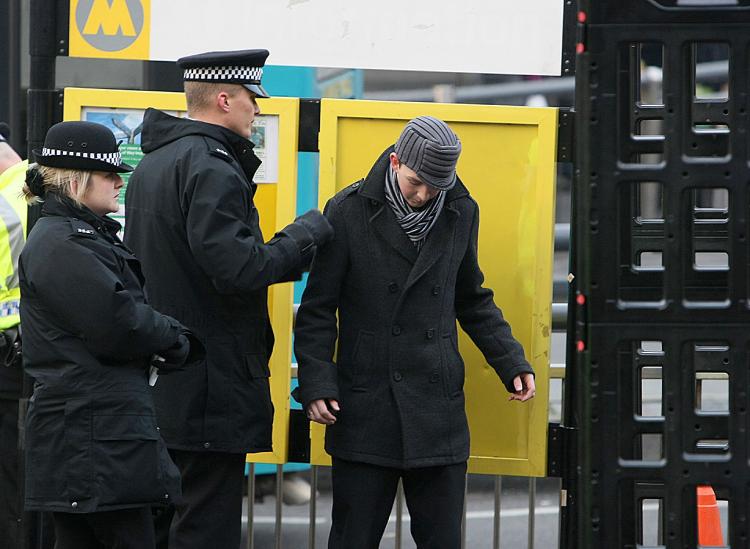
(191, 220)
(398, 375)
(92, 441)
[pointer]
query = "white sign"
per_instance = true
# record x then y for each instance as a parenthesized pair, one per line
(474, 36)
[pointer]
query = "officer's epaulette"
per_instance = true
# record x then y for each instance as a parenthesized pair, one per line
(346, 192)
(215, 148)
(82, 229)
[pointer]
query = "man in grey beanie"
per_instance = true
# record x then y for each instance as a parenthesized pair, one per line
(386, 292)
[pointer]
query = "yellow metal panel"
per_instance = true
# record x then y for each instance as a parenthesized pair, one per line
(276, 204)
(508, 165)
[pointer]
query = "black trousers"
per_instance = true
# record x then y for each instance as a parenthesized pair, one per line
(10, 503)
(363, 497)
(210, 513)
(122, 529)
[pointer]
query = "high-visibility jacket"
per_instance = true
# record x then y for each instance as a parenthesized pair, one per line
(13, 211)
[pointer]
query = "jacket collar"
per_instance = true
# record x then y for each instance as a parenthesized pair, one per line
(56, 205)
(160, 129)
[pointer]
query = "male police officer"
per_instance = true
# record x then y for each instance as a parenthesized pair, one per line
(401, 269)
(192, 222)
(12, 238)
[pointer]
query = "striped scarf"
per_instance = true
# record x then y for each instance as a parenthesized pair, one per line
(415, 223)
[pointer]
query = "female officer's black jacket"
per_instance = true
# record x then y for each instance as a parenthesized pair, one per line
(92, 443)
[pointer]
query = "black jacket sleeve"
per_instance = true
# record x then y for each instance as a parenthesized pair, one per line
(482, 319)
(223, 243)
(316, 329)
(85, 292)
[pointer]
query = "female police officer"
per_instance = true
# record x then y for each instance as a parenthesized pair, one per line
(94, 457)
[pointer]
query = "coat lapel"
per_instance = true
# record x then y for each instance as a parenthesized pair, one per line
(438, 241)
(384, 223)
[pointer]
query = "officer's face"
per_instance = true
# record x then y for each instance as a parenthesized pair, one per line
(416, 192)
(243, 108)
(103, 192)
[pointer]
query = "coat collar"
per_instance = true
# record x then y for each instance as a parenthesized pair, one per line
(384, 222)
(62, 206)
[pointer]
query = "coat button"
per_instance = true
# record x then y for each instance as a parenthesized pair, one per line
(374, 202)
(166, 496)
(397, 376)
(393, 287)
(435, 290)
(206, 444)
(396, 330)
(434, 377)
(430, 333)
(74, 504)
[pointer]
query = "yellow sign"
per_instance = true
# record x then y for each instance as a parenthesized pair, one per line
(122, 111)
(113, 29)
(508, 165)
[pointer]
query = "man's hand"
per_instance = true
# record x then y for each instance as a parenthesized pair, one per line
(524, 386)
(322, 411)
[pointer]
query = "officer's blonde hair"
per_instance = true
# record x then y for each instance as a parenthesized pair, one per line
(60, 181)
(200, 95)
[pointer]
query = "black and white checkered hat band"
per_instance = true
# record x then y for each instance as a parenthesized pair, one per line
(250, 75)
(111, 158)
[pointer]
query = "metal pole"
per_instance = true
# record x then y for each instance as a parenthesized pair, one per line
(399, 512)
(532, 510)
(313, 505)
(279, 496)
(43, 109)
(250, 506)
(10, 78)
(496, 520)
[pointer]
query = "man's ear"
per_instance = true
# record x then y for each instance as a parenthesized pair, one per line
(222, 101)
(395, 162)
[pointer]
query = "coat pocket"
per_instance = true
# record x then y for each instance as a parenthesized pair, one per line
(454, 366)
(127, 464)
(363, 358)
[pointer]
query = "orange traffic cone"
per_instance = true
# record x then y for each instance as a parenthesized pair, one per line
(709, 520)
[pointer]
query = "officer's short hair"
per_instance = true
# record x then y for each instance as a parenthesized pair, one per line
(59, 180)
(200, 95)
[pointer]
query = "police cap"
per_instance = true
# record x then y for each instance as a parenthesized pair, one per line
(244, 67)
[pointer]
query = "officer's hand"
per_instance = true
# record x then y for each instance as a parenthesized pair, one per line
(317, 225)
(323, 411)
(173, 358)
(524, 386)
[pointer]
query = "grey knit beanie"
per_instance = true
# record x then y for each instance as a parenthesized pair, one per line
(430, 148)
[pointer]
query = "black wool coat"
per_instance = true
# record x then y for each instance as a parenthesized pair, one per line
(398, 375)
(191, 220)
(92, 440)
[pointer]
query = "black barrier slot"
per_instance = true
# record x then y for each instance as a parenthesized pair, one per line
(707, 276)
(650, 60)
(650, 202)
(651, 399)
(650, 447)
(716, 87)
(641, 68)
(711, 261)
(651, 532)
(712, 391)
(641, 226)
